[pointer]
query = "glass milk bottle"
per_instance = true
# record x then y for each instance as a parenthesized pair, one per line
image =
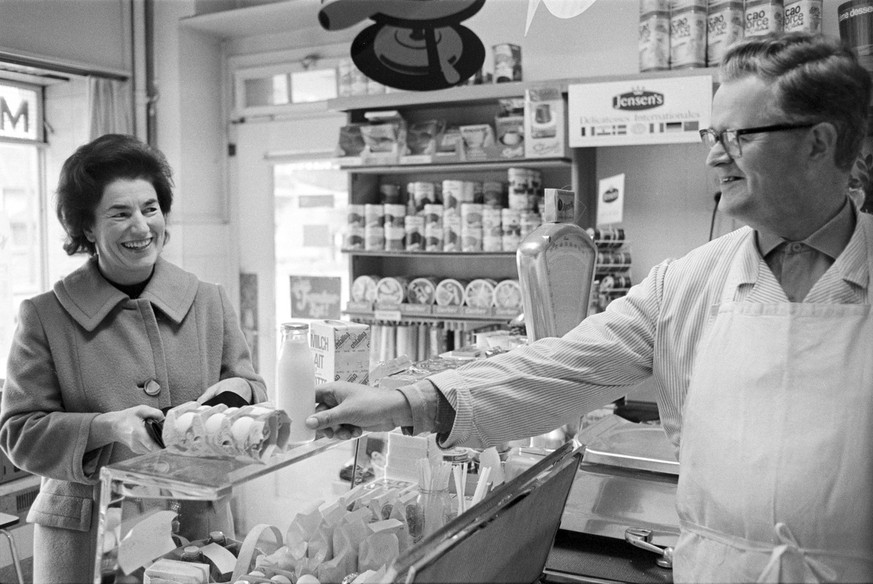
(295, 380)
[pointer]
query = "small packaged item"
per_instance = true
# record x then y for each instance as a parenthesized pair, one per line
(763, 16)
(545, 124)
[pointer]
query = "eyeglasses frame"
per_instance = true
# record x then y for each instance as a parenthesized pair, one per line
(718, 136)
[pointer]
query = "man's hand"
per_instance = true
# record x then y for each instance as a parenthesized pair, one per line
(345, 409)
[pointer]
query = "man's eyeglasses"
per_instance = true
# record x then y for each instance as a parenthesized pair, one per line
(730, 139)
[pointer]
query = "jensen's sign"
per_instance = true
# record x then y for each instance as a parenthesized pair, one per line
(641, 111)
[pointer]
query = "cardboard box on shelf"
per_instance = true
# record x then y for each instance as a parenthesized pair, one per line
(341, 350)
(545, 123)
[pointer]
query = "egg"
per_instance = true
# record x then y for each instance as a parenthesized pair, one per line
(183, 422)
(283, 579)
(308, 579)
(240, 429)
(214, 423)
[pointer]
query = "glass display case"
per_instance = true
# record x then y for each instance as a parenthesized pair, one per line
(154, 507)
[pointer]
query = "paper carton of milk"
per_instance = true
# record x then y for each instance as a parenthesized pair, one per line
(341, 351)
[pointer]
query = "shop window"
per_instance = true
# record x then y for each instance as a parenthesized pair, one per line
(310, 216)
(21, 234)
(271, 89)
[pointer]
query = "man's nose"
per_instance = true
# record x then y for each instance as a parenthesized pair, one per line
(717, 155)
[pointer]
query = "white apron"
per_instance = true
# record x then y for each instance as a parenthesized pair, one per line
(776, 454)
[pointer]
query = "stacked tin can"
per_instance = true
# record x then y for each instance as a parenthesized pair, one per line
(374, 226)
(654, 35)
(395, 217)
(687, 34)
(724, 24)
(355, 232)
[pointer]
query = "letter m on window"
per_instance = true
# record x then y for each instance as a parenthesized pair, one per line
(12, 119)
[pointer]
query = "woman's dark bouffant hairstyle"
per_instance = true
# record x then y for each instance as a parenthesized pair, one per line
(92, 167)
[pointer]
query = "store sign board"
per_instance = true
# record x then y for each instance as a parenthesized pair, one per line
(640, 111)
(20, 112)
(316, 297)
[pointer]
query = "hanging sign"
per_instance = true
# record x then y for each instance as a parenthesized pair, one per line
(20, 112)
(414, 45)
(639, 111)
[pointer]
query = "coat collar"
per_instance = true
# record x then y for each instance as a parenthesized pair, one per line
(89, 298)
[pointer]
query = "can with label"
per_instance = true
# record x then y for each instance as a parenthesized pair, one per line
(355, 215)
(354, 237)
(374, 215)
(452, 232)
(491, 222)
(856, 29)
(422, 193)
(433, 215)
(421, 291)
(688, 37)
(374, 238)
(471, 214)
(453, 192)
(762, 17)
(492, 194)
(395, 214)
(433, 237)
(724, 27)
(507, 63)
(414, 233)
(654, 41)
(395, 238)
(803, 15)
(471, 237)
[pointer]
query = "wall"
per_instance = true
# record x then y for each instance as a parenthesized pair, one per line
(96, 32)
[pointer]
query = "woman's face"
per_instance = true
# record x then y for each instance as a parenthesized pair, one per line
(128, 231)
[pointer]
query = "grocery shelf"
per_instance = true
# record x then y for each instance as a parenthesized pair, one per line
(429, 254)
(469, 166)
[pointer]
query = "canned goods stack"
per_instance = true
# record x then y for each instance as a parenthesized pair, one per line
(451, 216)
(612, 270)
(682, 34)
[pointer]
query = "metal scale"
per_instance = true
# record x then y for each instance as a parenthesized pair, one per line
(625, 487)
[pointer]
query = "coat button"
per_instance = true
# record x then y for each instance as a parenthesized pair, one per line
(151, 387)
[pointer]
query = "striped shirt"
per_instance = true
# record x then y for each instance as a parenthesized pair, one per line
(654, 331)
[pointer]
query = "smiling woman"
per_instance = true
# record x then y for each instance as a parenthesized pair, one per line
(115, 342)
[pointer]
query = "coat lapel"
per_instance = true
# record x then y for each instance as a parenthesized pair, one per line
(89, 298)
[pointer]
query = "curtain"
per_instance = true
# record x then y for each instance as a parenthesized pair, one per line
(110, 102)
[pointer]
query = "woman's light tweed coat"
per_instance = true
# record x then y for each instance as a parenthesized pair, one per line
(86, 348)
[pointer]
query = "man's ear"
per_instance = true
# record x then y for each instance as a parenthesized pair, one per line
(822, 141)
(89, 235)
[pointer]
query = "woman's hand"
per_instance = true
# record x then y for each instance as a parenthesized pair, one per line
(126, 427)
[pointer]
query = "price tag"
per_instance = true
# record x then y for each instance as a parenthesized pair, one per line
(390, 315)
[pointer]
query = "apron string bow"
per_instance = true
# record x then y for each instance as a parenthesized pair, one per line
(789, 562)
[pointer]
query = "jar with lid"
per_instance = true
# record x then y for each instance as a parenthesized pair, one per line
(295, 380)
(436, 509)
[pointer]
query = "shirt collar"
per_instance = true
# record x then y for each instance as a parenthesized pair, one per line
(830, 239)
(89, 298)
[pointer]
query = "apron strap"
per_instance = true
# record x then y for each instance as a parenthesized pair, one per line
(789, 553)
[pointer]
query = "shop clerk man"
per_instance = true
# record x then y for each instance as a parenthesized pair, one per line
(761, 342)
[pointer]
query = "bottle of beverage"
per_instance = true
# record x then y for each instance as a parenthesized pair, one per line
(295, 380)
